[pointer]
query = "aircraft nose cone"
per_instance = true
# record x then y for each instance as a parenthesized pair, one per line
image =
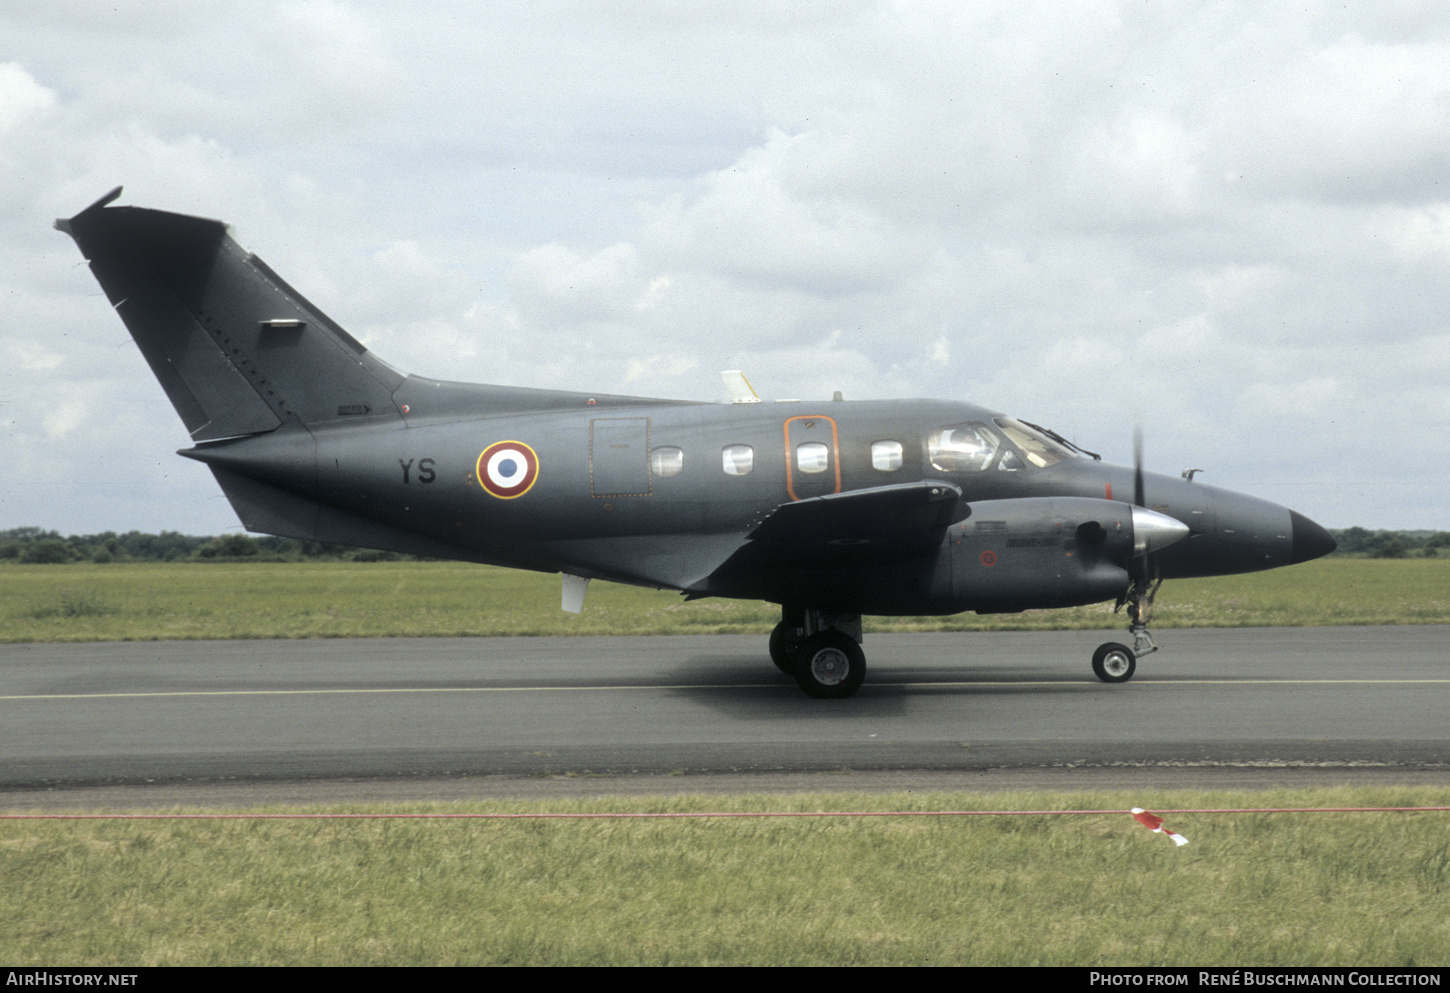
(1310, 540)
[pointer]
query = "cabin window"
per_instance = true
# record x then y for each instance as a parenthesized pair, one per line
(812, 457)
(962, 447)
(666, 461)
(738, 460)
(886, 455)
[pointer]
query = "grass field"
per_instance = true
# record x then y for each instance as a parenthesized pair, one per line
(1078, 890)
(1097, 889)
(419, 599)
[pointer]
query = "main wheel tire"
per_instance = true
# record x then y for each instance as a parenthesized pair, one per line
(1114, 663)
(830, 666)
(785, 647)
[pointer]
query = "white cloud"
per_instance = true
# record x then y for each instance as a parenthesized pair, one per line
(31, 356)
(22, 99)
(339, 57)
(66, 413)
(1295, 400)
(1356, 118)
(1419, 234)
(553, 282)
(1143, 166)
(649, 369)
(1201, 215)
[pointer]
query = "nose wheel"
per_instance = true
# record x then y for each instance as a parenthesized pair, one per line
(1114, 663)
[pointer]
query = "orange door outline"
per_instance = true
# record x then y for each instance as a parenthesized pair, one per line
(790, 452)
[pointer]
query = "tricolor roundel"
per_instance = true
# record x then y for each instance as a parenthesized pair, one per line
(507, 469)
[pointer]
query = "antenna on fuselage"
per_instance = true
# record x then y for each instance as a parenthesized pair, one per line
(738, 387)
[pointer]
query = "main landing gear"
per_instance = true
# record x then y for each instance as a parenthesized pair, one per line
(1115, 663)
(821, 649)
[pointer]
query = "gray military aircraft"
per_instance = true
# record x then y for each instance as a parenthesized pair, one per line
(832, 510)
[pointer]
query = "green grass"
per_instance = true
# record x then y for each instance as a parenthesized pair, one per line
(1249, 890)
(86, 602)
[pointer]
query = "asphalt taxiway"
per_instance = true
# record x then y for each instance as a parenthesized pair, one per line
(953, 705)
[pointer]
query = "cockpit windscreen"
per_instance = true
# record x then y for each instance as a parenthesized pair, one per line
(1038, 449)
(976, 446)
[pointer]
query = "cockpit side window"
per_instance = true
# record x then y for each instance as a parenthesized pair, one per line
(1038, 449)
(966, 447)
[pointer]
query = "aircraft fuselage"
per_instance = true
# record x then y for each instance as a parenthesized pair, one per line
(657, 494)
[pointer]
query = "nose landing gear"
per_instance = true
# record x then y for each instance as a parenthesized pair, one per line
(1115, 663)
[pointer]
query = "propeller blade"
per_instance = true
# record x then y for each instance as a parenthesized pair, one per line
(1139, 568)
(1138, 467)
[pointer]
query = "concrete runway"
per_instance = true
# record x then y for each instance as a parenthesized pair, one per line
(954, 706)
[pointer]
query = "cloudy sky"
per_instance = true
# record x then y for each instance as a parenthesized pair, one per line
(1228, 221)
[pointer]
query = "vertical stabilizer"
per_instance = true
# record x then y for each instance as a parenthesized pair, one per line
(237, 350)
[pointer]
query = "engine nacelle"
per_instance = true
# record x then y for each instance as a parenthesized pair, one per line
(1047, 552)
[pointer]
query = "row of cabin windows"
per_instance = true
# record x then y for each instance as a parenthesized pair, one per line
(739, 460)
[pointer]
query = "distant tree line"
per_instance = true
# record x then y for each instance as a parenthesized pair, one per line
(1363, 543)
(36, 546)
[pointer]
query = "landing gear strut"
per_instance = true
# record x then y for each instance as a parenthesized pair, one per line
(785, 646)
(1115, 663)
(821, 649)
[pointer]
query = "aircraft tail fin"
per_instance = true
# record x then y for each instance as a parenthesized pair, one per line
(237, 350)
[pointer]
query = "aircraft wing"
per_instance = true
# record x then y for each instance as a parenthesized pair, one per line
(846, 530)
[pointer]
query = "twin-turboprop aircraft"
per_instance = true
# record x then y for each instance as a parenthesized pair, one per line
(832, 510)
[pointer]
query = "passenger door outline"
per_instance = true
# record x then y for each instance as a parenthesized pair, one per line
(619, 457)
(798, 431)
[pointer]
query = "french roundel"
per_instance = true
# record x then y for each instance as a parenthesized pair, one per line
(507, 469)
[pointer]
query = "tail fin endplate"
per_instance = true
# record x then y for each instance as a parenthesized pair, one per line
(237, 350)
